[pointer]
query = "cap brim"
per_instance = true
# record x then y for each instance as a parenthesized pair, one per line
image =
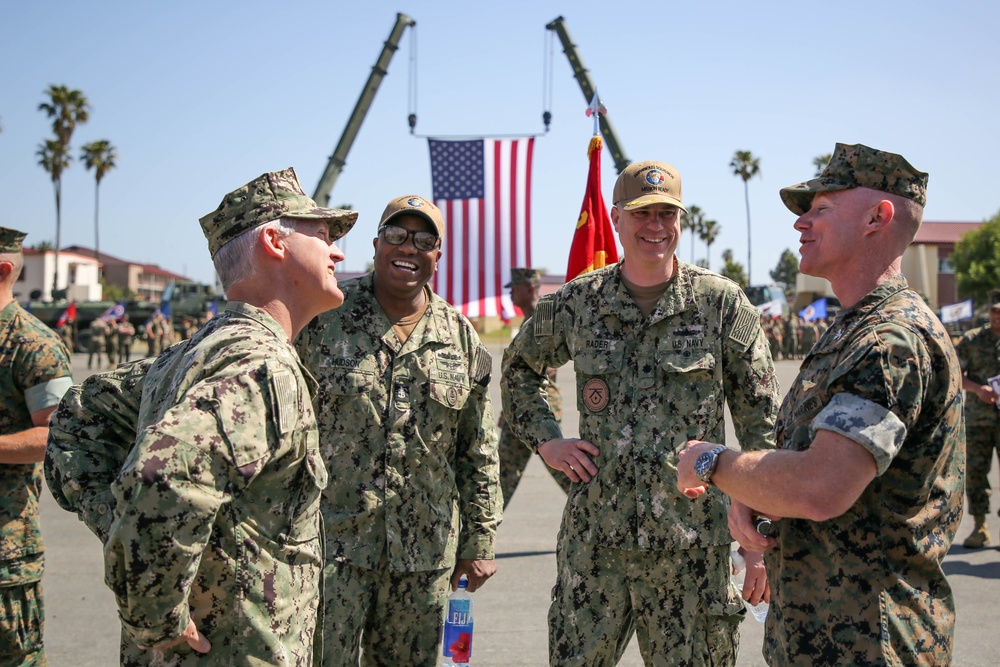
(647, 200)
(508, 285)
(339, 220)
(798, 198)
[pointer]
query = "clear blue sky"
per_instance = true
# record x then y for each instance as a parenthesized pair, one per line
(201, 97)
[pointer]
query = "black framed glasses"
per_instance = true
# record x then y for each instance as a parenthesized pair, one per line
(395, 235)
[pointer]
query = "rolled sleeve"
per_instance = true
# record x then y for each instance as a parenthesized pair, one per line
(47, 394)
(869, 424)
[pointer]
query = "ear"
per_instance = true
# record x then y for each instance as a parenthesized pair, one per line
(881, 215)
(6, 268)
(273, 243)
(375, 243)
(614, 217)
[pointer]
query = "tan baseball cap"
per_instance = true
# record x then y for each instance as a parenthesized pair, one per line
(414, 205)
(273, 195)
(645, 183)
(859, 166)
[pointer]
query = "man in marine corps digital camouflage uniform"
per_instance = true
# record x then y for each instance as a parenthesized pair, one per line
(35, 372)
(869, 471)
(525, 290)
(659, 348)
(215, 552)
(407, 431)
(979, 353)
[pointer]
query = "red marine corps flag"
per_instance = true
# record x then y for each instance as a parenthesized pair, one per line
(594, 240)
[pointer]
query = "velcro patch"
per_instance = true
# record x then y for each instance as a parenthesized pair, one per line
(743, 328)
(285, 400)
(543, 316)
(484, 366)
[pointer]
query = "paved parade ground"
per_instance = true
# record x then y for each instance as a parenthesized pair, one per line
(82, 627)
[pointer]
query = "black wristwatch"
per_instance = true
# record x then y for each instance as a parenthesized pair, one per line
(704, 465)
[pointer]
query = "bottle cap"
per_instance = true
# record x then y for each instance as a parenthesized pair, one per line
(738, 561)
(463, 582)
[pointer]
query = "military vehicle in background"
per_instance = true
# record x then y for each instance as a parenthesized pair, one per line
(180, 300)
(769, 299)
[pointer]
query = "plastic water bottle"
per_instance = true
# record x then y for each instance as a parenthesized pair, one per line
(457, 645)
(758, 610)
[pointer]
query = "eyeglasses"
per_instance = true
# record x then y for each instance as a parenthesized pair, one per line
(394, 235)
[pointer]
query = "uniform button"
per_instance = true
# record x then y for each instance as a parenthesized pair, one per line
(103, 508)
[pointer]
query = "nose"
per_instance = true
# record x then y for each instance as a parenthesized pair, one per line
(801, 223)
(336, 254)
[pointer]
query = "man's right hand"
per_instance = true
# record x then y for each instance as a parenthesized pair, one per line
(570, 455)
(194, 639)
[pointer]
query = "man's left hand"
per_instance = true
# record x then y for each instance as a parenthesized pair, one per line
(687, 481)
(476, 571)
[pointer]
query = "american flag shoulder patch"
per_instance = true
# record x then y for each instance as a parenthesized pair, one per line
(742, 331)
(286, 400)
(543, 316)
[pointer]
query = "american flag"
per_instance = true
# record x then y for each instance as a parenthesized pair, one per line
(483, 188)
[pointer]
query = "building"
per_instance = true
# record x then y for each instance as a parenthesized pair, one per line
(926, 265)
(78, 275)
(146, 281)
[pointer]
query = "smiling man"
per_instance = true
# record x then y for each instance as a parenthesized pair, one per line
(868, 475)
(407, 432)
(659, 348)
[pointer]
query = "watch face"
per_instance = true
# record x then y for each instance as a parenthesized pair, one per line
(703, 464)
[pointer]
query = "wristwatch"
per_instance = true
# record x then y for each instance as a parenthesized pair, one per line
(704, 465)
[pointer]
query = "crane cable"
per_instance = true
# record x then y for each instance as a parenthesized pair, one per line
(548, 51)
(412, 83)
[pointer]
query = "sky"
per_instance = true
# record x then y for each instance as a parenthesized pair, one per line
(202, 97)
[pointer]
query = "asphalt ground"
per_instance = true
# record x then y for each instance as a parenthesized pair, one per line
(82, 626)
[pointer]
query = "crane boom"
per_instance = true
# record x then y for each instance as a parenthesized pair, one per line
(379, 70)
(558, 25)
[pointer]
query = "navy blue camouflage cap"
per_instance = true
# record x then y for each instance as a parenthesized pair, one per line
(273, 195)
(859, 166)
(11, 240)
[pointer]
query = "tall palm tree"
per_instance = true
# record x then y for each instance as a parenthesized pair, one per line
(67, 108)
(692, 222)
(746, 166)
(709, 232)
(100, 156)
(54, 159)
(820, 162)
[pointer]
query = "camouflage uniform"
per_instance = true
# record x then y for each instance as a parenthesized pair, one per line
(126, 334)
(514, 454)
(98, 335)
(633, 551)
(979, 354)
(34, 373)
(408, 432)
(111, 343)
(226, 464)
(66, 334)
(866, 587)
(90, 435)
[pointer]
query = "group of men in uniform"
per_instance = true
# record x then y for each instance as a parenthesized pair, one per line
(791, 336)
(206, 471)
(113, 337)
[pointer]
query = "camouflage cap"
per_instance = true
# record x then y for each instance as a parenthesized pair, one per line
(645, 183)
(518, 276)
(414, 205)
(858, 166)
(271, 196)
(10, 240)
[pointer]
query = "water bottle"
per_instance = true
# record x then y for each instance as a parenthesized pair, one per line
(758, 610)
(457, 645)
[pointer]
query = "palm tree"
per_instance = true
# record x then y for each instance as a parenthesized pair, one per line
(746, 166)
(709, 232)
(821, 161)
(67, 109)
(100, 156)
(54, 159)
(692, 222)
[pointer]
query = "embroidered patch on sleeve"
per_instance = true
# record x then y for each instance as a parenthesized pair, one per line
(484, 366)
(742, 331)
(285, 400)
(544, 313)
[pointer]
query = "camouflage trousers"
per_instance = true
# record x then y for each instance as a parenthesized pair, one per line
(387, 618)
(680, 603)
(514, 457)
(982, 438)
(22, 623)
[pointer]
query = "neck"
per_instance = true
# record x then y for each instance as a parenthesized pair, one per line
(649, 275)
(853, 288)
(398, 307)
(5, 299)
(291, 322)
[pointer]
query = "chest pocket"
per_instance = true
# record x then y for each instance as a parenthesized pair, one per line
(449, 393)
(347, 382)
(687, 361)
(599, 362)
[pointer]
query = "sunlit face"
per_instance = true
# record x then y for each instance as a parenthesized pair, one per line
(314, 258)
(830, 232)
(405, 269)
(649, 235)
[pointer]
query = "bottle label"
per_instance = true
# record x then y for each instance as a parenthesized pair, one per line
(458, 631)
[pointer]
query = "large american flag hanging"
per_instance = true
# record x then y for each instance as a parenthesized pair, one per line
(483, 188)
